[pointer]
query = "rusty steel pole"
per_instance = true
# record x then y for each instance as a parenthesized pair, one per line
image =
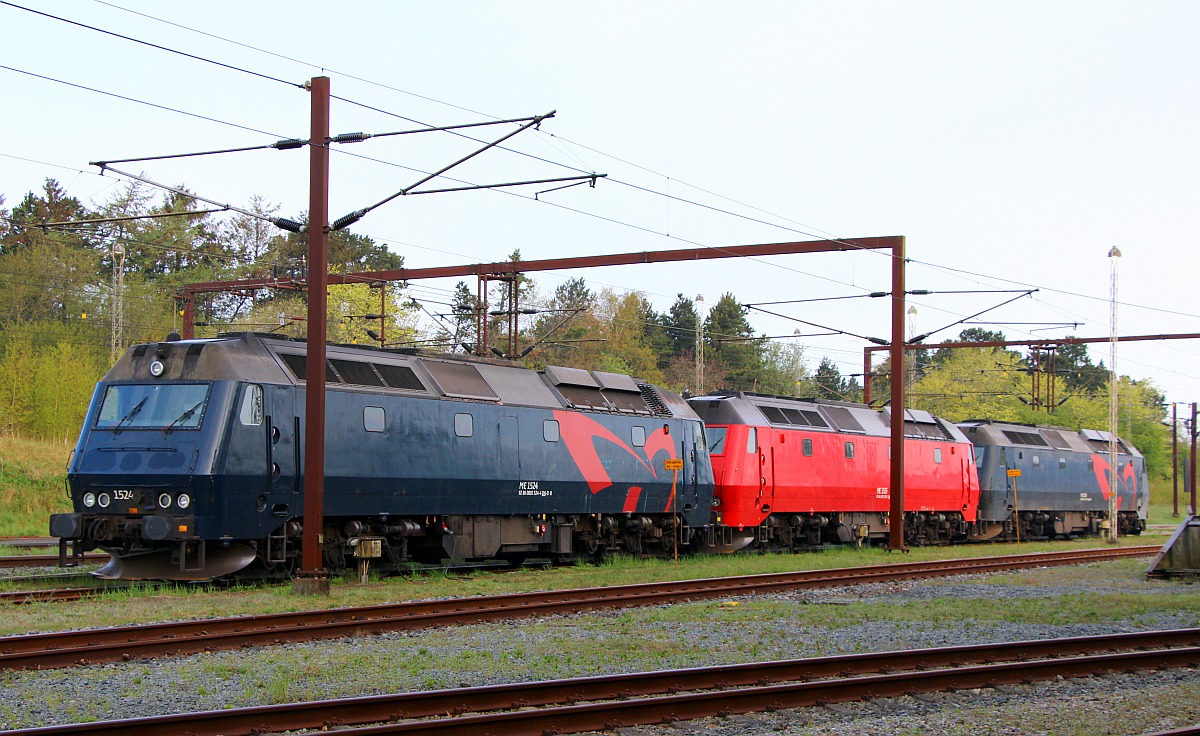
(312, 578)
(1175, 459)
(1192, 476)
(896, 526)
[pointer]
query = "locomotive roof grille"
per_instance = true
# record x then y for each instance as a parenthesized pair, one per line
(1057, 441)
(843, 419)
(926, 430)
(1101, 446)
(357, 373)
(399, 377)
(1026, 438)
(460, 380)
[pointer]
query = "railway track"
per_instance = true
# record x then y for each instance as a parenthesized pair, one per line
(602, 703)
(46, 595)
(28, 542)
(10, 561)
(62, 649)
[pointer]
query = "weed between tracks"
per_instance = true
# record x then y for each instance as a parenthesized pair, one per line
(796, 624)
(149, 604)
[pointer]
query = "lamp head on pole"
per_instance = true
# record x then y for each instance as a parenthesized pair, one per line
(1114, 252)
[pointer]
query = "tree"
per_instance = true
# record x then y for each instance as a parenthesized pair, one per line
(971, 334)
(680, 323)
(828, 381)
(1073, 365)
(28, 216)
(784, 372)
(972, 384)
(730, 347)
(626, 348)
(567, 331)
(460, 330)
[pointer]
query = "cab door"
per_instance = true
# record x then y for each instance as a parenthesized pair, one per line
(283, 442)
(767, 441)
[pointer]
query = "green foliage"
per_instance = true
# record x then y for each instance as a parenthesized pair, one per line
(992, 383)
(32, 485)
(47, 374)
(733, 358)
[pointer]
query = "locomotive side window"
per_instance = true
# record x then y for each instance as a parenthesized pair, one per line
(806, 446)
(639, 436)
(1062, 463)
(251, 413)
(374, 418)
(849, 450)
(715, 437)
(937, 454)
(464, 425)
(752, 441)
(1037, 461)
(550, 430)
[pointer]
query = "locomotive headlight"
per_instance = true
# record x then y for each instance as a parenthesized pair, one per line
(156, 368)
(89, 499)
(716, 502)
(104, 500)
(184, 500)
(164, 500)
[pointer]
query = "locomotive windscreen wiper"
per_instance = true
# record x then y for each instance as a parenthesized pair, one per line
(130, 414)
(185, 415)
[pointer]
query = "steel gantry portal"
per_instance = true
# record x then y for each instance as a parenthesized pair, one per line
(510, 269)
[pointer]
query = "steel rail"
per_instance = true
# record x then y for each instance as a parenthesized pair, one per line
(61, 649)
(674, 708)
(43, 560)
(406, 706)
(28, 541)
(48, 594)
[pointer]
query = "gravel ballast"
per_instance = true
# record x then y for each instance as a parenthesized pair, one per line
(779, 626)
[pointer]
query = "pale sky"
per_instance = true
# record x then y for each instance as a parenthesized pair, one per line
(1012, 143)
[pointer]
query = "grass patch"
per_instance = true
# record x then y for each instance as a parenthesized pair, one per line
(32, 485)
(184, 602)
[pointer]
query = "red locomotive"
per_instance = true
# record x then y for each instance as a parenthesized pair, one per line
(794, 474)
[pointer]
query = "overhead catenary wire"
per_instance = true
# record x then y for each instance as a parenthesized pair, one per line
(134, 99)
(152, 45)
(809, 229)
(109, 4)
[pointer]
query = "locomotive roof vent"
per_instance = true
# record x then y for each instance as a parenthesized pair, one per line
(843, 419)
(599, 391)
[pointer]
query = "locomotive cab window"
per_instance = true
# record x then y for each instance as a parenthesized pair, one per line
(715, 437)
(251, 413)
(639, 436)
(1037, 461)
(937, 454)
(153, 406)
(752, 440)
(374, 418)
(806, 446)
(1062, 463)
(849, 450)
(464, 425)
(550, 431)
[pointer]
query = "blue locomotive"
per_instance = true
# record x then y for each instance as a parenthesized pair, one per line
(190, 462)
(1043, 482)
